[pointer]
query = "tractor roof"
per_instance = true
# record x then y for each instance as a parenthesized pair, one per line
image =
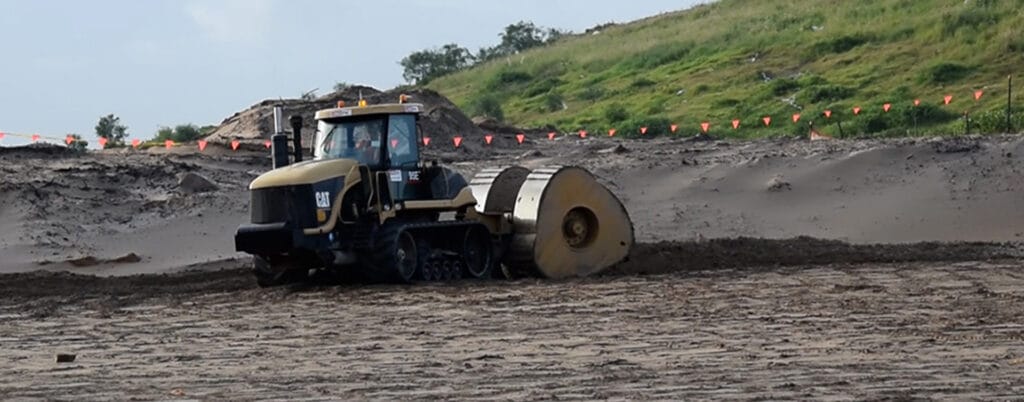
(384, 109)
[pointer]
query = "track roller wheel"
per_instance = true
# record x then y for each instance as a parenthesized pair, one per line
(395, 257)
(428, 271)
(478, 253)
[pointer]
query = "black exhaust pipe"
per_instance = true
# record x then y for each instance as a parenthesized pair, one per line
(296, 122)
(279, 142)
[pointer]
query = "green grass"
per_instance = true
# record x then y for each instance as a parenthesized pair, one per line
(710, 63)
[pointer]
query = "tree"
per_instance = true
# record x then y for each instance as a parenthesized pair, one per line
(340, 86)
(521, 36)
(110, 127)
(554, 34)
(425, 65)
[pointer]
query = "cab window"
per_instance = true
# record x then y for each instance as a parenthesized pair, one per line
(351, 139)
(402, 141)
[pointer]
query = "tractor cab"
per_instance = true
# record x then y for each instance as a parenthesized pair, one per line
(384, 138)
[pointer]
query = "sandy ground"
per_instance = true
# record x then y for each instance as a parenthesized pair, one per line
(869, 332)
(771, 269)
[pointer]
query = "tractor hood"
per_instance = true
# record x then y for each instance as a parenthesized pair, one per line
(307, 172)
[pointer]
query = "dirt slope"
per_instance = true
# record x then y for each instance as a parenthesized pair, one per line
(60, 207)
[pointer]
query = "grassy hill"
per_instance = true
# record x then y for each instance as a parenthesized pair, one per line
(746, 59)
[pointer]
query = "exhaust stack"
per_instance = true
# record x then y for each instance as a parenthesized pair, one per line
(296, 121)
(279, 141)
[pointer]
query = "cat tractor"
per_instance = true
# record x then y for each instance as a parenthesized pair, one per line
(367, 206)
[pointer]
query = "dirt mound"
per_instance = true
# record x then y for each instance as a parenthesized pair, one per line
(40, 149)
(441, 121)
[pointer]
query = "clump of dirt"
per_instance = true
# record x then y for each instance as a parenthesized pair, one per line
(91, 261)
(666, 257)
(955, 145)
(441, 121)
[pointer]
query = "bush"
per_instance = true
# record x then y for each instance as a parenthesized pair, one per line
(593, 92)
(656, 125)
(487, 106)
(553, 102)
(839, 45)
(77, 144)
(541, 87)
(642, 83)
(944, 73)
(994, 122)
(505, 79)
(826, 93)
(615, 113)
(180, 133)
(725, 103)
(782, 87)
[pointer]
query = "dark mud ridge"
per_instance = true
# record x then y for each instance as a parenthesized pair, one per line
(647, 258)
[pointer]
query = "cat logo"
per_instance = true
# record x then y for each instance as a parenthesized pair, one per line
(323, 199)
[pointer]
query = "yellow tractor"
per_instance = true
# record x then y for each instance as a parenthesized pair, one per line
(367, 205)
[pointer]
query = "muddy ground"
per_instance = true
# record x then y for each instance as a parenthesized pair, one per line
(772, 269)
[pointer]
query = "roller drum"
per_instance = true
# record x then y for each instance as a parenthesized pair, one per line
(567, 224)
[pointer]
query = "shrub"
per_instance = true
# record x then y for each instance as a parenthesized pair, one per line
(487, 106)
(553, 102)
(656, 125)
(946, 72)
(642, 83)
(180, 133)
(725, 103)
(840, 44)
(826, 93)
(541, 87)
(593, 92)
(77, 144)
(615, 113)
(782, 87)
(508, 78)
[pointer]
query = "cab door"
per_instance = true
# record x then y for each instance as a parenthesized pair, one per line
(403, 157)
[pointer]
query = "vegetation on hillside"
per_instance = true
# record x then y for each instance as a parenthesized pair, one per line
(423, 66)
(182, 133)
(743, 59)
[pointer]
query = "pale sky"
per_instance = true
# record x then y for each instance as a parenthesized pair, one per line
(63, 64)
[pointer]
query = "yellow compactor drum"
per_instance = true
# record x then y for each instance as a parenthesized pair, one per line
(566, 223)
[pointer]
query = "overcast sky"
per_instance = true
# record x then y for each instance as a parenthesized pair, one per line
(63, 64)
